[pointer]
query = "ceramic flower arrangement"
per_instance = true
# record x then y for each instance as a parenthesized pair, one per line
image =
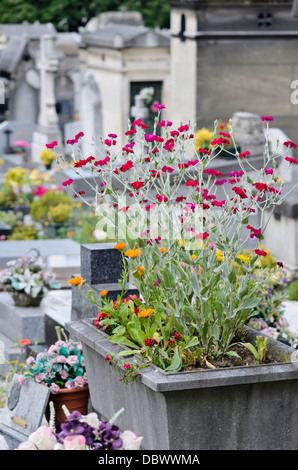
(28, 276)
(61, 366)
(81, 432)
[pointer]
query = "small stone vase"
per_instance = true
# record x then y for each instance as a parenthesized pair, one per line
(24, 300)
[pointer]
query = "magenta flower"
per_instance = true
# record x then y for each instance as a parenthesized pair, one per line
(166, 169)
(157, 282)
(267, 118)
(244, 154)
(67, 182)
(268, 171)
(291, 160)
(51, 145)
(260, 253)
(159, 106)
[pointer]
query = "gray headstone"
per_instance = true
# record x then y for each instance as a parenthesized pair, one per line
(101, 263)
(24, 410)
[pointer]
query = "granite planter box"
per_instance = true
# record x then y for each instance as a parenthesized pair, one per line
(239, 408)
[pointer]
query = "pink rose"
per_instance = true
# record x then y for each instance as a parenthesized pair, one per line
(72, 360)
(130, 440)
(54, 388)
(43, 438)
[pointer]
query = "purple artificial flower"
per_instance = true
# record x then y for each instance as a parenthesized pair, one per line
(108, 437)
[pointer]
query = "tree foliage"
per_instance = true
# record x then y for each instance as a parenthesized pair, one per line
(69, 15)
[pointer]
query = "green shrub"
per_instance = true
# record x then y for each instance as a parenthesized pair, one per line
(52, 198)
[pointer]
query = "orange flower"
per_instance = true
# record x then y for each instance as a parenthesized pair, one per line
(133, 253)
(103, 293)
(75, 280)
(162, 250)
(24, 342)
(141, 270)
(120, 246)
(70, 234)
(146, 312)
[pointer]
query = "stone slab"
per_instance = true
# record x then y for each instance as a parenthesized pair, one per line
(21, 322)
(58, 252)
(101, 263)
(24, 409)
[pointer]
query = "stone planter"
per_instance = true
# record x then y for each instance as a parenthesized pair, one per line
(238, 408)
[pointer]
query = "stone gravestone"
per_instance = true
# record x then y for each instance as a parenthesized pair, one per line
(24, 410)
(281, 235)
(101, 267)
(139, 111)
(248, 132)
(48, 127)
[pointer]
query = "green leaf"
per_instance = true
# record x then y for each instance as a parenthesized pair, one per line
(131, 352)
(122, 340)
(233, 353)
(169, 279)
(176, 363)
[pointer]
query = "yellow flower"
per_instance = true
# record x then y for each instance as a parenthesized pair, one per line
(219, 255)
(103, 293)
(146, 312)
(245, 259)
(193, 257)
(75, 280)
(203, 138)
(133, 253)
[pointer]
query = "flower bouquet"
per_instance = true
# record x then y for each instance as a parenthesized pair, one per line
(61, 368)
(81, 432)
(181, 226)
(28, 279)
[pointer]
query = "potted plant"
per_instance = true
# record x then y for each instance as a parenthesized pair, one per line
(28, 280)
(47, 157)
(183, 244)
(61, 368)
(53, 208)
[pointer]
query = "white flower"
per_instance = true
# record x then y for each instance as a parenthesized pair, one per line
(130, 440)
(27, 445)
(43, 438)
(91, 419)
(100, 235)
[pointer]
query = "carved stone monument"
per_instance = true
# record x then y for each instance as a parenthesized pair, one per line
(48, 128)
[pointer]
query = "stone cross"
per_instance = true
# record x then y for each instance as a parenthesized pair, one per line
(48, 128)
(47, 64)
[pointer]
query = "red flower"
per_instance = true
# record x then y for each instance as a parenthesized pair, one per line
(220, 141)
(213, 172)
(71, 141)
(169, 145)
(260, 252)
(166, 169)
(218, 203)
(80, 193)
(225, 134)
(67, 182)
(191, 183)
(51, 145)
(261, 186)
(126, 166)
(150, 342)
(203, 236)
(110, 142)
(182, 165)
(256, 231)
(137, 184)
(174, 133)
(131, 131)
(102, 162)
(183, 128)
(161, 198)
(241, 192)
(192, 162)
(244, 154)
(180, 198)
(291, 160)
(204, 151)
(290, 144)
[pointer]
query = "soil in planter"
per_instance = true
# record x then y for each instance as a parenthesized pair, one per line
(246, 359)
